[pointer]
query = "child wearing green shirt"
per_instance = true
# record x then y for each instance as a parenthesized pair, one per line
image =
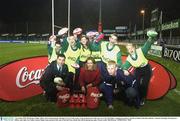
(137, 59)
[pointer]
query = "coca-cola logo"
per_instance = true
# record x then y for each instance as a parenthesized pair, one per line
(65, 96)
(24, 76)
(96, 95)
(20, 79)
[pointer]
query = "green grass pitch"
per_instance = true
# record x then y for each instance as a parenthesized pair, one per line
(169, 105)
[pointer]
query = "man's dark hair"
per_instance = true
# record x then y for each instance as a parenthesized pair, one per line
(61, 55)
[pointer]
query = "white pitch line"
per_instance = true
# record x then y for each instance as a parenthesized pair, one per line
(177, 91)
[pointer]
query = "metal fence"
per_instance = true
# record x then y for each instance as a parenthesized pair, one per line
(165, 40)
(172, 41)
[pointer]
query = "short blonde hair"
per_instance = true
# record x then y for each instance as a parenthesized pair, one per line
(113, 35)
(111, 62)
(131, 44)
(84, 36)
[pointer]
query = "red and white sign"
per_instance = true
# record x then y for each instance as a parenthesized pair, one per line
(20, 79)
(63, 97)
(92, 97)
(160, 81)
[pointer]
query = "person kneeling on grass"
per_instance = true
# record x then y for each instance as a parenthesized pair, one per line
(89, 75)
(55, 78)
(137, 59)
(114, 77)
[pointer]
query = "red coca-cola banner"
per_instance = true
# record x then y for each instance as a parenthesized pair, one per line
(160, 81)
(20, 79)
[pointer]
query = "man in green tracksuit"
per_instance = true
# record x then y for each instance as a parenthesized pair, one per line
(137, 59)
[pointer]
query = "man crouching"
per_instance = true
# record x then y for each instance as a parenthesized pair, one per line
(55, 78)
(116, 76)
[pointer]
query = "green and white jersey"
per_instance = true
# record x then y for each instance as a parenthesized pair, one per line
(72, 56)
(53, 56)
(95, 48)
(139, 61)
(84, 53)
(51, 51)
(108, 54)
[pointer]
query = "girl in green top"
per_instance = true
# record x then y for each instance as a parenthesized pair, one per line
(137, 59)
(84, 50)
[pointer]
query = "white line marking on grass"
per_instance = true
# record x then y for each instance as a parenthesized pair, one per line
(177, 91)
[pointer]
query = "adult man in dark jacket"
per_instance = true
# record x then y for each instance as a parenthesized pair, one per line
(56, 70)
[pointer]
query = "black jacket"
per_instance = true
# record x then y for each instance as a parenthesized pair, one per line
(47, 79)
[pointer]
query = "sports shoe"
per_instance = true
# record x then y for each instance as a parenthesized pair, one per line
(110, 107)
(142, 102)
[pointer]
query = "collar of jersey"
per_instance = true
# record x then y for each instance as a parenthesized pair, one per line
(109, 49)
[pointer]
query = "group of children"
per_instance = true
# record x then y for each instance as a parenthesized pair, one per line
(113, 75)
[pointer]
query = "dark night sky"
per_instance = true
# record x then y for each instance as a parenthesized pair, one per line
(84, 13)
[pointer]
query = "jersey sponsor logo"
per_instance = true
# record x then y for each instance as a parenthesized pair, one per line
(85, 56)
(71, 58)
(105, 59)
(96, 56)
